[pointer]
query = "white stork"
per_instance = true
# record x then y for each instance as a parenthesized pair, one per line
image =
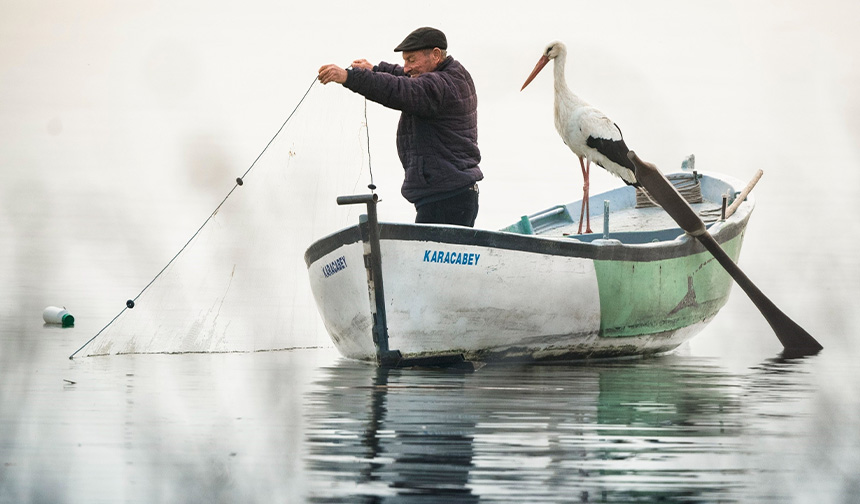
(587, 131)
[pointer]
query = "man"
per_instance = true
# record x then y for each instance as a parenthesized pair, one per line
(437, 137)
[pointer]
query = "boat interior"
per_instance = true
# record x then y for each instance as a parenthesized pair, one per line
(629, 215)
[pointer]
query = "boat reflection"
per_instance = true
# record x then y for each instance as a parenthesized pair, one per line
(668, 428)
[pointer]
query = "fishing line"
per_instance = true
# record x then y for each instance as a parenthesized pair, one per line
(371, 186)
(239, 181)
(366, 127)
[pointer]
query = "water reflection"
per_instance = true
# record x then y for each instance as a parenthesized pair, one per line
(375, 434)
(670, 428)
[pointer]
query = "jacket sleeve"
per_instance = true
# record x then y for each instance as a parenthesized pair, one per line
(420, 96)
(389, 68)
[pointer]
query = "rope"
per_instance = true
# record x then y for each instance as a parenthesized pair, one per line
(239, 181)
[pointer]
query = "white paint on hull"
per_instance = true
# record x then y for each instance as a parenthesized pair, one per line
(489, 305)
(343, 301)
(435, 306)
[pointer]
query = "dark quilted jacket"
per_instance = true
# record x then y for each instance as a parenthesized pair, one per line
(437, 138)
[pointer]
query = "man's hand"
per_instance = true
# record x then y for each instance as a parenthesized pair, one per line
(331, 73)
(362, 63)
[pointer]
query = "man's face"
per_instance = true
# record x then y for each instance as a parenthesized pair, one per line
(418, 62)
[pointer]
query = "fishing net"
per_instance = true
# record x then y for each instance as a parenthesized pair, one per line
(240, 283)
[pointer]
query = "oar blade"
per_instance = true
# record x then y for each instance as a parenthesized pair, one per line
(796, 341)
(794, 338)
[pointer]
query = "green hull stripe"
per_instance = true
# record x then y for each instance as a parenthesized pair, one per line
(639, 298)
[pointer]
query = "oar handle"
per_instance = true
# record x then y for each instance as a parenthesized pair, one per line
(664, 193)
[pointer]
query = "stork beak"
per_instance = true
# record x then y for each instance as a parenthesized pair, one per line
(540, 64)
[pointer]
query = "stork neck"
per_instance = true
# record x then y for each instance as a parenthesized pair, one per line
(560, 83)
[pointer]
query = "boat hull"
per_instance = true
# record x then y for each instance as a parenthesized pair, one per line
(493, 295)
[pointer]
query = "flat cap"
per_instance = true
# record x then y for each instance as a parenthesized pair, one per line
(423, 38)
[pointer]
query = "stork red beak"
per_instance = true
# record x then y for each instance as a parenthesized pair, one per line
(540, 64)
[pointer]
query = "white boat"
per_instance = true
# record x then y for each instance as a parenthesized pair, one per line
(534, 290)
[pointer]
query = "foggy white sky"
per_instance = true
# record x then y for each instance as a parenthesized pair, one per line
(740, 84)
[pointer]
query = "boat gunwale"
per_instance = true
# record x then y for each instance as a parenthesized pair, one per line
(569, 246)
(558, 246)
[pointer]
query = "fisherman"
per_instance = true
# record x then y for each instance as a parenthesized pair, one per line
(437, 137)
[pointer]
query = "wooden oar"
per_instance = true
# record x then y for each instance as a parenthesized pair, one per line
(743, 195)
(795, 339)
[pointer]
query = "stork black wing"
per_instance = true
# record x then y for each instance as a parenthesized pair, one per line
(615, 150)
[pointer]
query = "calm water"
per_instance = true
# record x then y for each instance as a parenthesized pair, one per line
(722, 419)
(309, 426)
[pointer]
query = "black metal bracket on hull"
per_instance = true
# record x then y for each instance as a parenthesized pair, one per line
(373, 262)
(386, 357)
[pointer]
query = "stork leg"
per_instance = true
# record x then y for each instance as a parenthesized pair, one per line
(584, 211)
(587, 197)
